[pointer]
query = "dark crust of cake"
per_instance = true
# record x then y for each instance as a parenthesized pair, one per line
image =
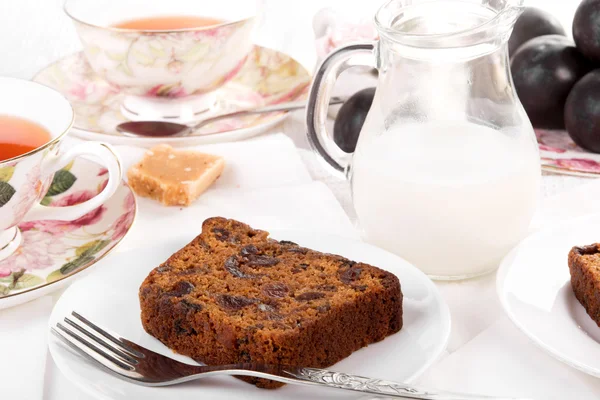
(234, 295)
(584, 264)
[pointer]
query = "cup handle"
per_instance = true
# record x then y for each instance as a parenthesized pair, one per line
(108, 158)
(362, 54)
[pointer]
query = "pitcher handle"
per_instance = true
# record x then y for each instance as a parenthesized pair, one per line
(360, 54)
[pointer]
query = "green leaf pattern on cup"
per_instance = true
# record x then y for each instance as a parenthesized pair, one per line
(63, 181)
(6, 173)
(6, 193)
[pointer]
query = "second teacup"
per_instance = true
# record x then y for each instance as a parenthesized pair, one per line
(168, 56)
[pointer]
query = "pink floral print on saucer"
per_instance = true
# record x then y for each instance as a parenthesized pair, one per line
(266, 77)
(54, 250)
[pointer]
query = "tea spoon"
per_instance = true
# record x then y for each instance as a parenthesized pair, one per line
(158, 129)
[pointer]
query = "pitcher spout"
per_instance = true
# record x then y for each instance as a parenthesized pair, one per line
(447, 24)
(511, 13)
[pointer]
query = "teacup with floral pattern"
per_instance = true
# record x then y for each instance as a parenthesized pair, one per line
(25, 179)
(183, 66)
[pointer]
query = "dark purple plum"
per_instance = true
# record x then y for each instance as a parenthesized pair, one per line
(351, 118)
(582, 112)
(586, 29)
(544, 71)
(531, 24)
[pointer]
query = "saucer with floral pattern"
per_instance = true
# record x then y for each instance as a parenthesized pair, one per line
(52, 253)
(267, 77)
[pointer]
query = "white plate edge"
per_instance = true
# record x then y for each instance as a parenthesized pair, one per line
(501, 275)
(439, 350)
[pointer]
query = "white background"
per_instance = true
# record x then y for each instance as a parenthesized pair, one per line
(34, 33)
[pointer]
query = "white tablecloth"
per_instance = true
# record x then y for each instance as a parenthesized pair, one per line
(486, 353)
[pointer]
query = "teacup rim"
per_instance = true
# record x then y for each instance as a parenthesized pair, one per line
(53, 141)
(153, 31)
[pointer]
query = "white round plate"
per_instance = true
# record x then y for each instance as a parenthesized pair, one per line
(109, 297)
(534, 286)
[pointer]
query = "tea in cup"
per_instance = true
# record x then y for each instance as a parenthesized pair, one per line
(34, 120)
(19, 136)
(168, 57)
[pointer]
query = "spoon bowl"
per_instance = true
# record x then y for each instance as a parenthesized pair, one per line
(153, 129)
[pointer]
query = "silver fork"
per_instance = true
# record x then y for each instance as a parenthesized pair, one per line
(134, 363)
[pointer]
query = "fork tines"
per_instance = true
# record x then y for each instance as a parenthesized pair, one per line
(96, 343)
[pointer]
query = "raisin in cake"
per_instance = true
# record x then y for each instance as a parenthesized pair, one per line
(584, 264)
(234, 295)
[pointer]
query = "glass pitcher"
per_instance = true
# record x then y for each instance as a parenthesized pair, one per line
(446, 171)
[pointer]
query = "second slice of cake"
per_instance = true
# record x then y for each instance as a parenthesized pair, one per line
(234, 295)
(584, 266)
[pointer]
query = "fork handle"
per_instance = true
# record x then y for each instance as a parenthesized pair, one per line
(362, 384)
(338, 380)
